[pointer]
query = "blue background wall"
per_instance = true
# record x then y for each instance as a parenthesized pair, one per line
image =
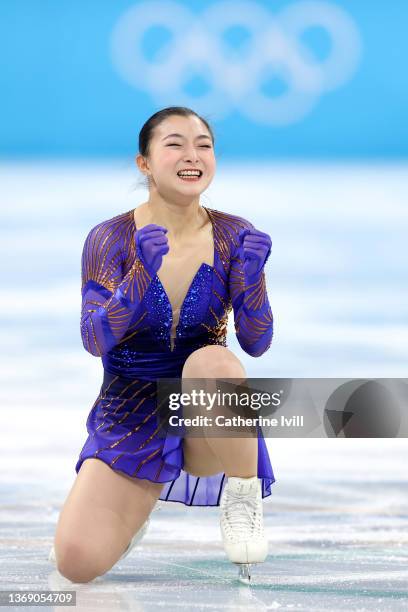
(63, 94)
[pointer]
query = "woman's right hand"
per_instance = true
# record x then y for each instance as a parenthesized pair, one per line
(151, 245)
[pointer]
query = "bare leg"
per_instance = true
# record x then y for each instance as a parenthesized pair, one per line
(103, 511)
(208, 455)
(238, 457)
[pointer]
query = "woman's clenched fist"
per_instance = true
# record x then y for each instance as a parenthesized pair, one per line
(255, 248)
(151, 245)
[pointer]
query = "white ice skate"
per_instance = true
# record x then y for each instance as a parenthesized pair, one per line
(241, 524)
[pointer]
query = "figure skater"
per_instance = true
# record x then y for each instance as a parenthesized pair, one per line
(158, 284)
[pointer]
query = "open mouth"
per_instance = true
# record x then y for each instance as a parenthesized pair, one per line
(190, 176)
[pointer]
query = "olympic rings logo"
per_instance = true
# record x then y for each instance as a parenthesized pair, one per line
(196, 48)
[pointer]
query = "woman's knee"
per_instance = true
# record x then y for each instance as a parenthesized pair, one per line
(101, 514)
(79, 561)
(211, 362)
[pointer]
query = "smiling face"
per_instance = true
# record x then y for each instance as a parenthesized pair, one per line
(179, 143)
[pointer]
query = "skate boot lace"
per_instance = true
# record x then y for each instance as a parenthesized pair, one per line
(242, 517)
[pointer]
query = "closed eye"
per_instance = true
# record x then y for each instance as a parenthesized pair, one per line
(174, 144)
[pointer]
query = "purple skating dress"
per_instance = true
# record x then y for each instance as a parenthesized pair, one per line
(126, 319)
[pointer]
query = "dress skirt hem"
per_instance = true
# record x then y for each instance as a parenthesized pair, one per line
(266, 484)
(185, 488)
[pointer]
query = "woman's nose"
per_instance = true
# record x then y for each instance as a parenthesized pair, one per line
(191, 154)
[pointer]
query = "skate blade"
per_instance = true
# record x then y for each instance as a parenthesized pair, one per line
(244, 573)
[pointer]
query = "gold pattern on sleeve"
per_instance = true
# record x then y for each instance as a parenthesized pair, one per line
(102, 257)
(109, 260)
(143, 279)
(95, 338)
(220, 278)
(226, 230)
(256, 296)
(255, 325)
(255, 293)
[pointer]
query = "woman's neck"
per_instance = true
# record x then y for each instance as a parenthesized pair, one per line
(179, 219)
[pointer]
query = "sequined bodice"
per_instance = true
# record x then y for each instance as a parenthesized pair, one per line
(183, 274)
(192, 311)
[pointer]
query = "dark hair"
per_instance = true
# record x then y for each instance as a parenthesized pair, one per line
(146, 133)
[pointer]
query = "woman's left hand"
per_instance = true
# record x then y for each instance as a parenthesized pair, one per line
(256, 247)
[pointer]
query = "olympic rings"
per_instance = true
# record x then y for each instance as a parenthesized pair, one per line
(195, 47)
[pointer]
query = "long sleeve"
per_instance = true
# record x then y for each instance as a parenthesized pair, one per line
(109, 300)
(253, 319)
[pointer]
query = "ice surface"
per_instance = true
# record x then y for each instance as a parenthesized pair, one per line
(333, 545)
(337, 520)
